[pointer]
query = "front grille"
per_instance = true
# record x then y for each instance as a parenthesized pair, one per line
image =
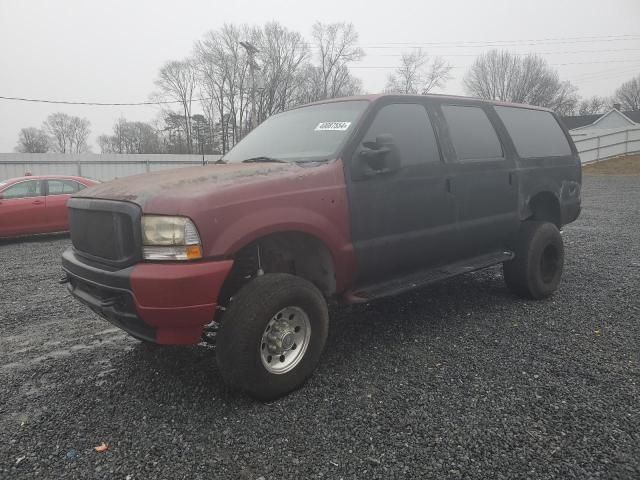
(105, 231)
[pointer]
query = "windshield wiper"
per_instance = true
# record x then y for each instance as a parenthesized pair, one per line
(263, 159)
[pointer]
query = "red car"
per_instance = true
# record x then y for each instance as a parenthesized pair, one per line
(37, 204)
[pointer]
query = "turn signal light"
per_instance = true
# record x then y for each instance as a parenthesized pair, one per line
(193, 252)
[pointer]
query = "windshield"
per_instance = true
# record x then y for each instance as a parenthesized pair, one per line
(303, 134)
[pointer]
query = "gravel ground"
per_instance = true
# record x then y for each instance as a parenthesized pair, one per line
(460, 380)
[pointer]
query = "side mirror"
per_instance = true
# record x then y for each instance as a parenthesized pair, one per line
(376, 158)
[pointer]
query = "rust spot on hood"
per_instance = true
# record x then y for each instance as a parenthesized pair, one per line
(141, 188)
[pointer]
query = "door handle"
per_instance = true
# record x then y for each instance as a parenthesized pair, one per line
(38, 202)
(447, 184)
(511, 175)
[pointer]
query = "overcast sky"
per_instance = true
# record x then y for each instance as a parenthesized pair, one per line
(110, 51)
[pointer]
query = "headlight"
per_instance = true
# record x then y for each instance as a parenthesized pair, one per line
(170, 238)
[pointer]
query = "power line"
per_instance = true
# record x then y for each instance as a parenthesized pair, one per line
(486, 43)
(596, 62)
(516, 54)
(604, 76)
(631, 36)
(98, 104)
(465, 66)
(608, 71)
(583, 77)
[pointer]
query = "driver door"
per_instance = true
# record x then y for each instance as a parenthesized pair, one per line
(402, 215)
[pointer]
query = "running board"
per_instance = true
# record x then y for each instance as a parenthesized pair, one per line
(426, 277)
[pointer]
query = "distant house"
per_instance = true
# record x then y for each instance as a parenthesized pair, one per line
(598, 137)
(614, 119)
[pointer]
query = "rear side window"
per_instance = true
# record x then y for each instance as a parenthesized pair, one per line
(63, 187)
(535, 133)
(472, 134)
(411, 130)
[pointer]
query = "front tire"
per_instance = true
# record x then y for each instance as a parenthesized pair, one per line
(272, 335)
(536, 270)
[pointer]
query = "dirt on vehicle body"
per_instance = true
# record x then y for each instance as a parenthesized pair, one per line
(351, 199)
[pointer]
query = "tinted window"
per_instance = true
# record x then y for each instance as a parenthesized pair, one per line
(535, 133)
(27, 189)
(471, 132)
(63, 187)
(308, 133)
(411, 130)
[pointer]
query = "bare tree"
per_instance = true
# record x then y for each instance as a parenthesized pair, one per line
(337, 45)
(282, 55)
(238, 92)
(78, 134)
(223, 66)
(107, 144)
(57, 126)
(131, 137)
(501, 75)
(418, 74)
(285, 76)
(32, 140)
(594, 105)
(565, 100)
(223, 76)
(177, 81)
(628, 94)
(211, 64)
(67, 134)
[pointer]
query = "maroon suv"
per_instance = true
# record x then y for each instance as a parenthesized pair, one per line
(350, 199)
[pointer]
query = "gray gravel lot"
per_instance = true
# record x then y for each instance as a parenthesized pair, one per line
(459, 380)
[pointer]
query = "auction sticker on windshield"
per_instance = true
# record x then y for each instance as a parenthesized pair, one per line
(335, 126)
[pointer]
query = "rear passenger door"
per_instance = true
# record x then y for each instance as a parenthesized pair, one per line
(58, 193)
(402, 218)
(481, 177)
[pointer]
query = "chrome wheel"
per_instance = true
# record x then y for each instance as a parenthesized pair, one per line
(285, 340)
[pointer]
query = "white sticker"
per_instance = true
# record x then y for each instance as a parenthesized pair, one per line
(332, 126)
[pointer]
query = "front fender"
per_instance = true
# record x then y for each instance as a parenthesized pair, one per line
(260, 223)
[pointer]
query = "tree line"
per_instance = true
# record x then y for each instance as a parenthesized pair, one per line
(209, 97)
(60, 133)
(217, 79)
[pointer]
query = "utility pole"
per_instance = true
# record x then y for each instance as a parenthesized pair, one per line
(199, 130)
(251, 51)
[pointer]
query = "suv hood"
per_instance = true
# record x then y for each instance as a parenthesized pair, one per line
(185, 182)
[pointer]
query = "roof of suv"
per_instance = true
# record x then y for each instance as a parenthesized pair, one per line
(374, 97)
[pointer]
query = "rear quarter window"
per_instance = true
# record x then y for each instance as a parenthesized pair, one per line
(63, 187)
(535, 133)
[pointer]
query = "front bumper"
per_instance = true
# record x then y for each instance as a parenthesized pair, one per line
(167, 303)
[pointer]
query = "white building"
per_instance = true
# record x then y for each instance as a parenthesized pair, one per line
(606, 135)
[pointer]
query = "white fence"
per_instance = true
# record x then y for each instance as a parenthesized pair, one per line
(101, 167)
(599, 145)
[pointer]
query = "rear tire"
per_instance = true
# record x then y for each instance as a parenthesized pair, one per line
(272, 335)
(536, 270)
